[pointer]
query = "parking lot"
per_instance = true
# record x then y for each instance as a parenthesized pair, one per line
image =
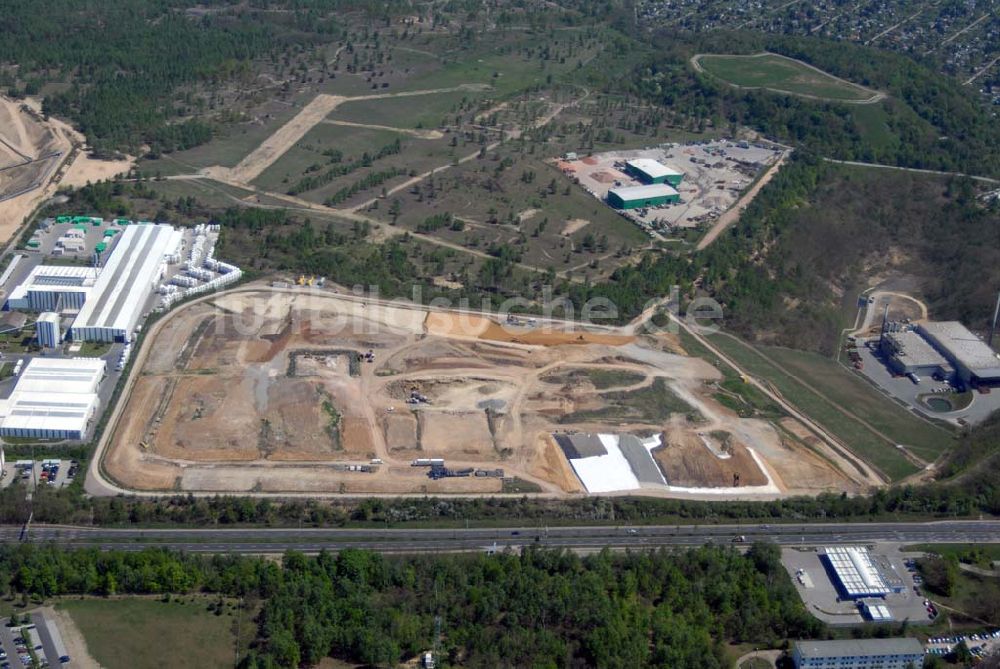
(980, 644)
(35, 639)
(715, 173)
(823, 600)
(54, 473)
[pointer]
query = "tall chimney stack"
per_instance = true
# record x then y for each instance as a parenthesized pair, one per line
(993, 327)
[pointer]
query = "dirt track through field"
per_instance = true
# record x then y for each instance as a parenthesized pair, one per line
(733, 214)
(285, 137)
(412, 132)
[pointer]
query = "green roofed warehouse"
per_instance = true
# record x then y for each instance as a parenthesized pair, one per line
(650, 171)
(634, 197)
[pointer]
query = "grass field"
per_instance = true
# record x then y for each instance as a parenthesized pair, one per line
(422, 111)
(835, 383)
(981, 554)
(150, 634)
(782, 74)
(852, 392)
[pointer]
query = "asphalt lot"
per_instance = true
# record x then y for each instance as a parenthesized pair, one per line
(11, 472)
(821, 597)
(39, 638)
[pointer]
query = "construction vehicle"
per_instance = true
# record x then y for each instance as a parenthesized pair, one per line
(301, 280)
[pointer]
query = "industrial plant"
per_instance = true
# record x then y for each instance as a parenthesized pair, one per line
(84, 282)
(671, 187)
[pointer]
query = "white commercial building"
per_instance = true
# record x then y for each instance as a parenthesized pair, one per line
(653, 171)
(858, 654)
(47, 330)
(53, 288)
(857, 574)
(126, 283)
(55, 398)
(974, 361)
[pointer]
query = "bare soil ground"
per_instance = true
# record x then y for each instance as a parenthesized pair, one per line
(695, 460)
(76, 645)
(25, 136)
(574, 225)
(86, 169)
(267, 391)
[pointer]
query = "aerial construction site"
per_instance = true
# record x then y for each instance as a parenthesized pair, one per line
(303, 390)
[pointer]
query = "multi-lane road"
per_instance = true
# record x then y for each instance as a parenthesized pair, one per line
(310, 540)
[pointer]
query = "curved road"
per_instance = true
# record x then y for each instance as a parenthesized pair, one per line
(405, 540)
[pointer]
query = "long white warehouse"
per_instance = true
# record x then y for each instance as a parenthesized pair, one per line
(125, 283)
(55, 398)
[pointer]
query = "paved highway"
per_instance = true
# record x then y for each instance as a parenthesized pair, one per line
(310, 540)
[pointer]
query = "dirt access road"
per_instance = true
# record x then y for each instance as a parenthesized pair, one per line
(732, 214)
(310, 116)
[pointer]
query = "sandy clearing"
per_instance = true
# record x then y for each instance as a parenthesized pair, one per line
(76, 645)
(85, 169)
(526, 214)
(412, 132)
(481, 327)
(13, 132)
(45, 137)
(573, 225)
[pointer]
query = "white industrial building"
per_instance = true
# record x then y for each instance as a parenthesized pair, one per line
(126, 282)
(974, 361)
(909, 353)
(47, 330)
(856, 573)
(653, 171)
(53, 288)
(55, 398)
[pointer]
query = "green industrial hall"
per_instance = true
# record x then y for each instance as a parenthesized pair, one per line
(651, 171)
(635, 197)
